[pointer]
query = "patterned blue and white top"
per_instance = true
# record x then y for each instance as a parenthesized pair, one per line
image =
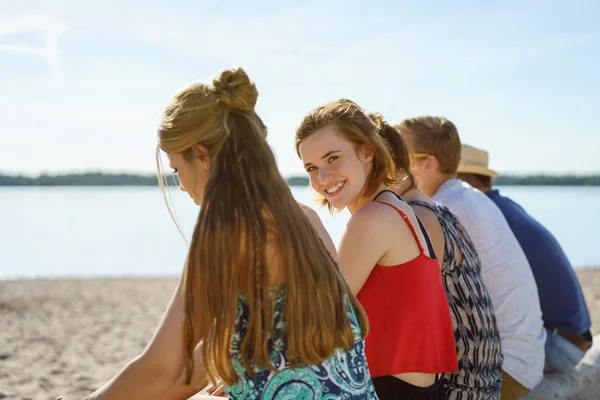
(345, 375)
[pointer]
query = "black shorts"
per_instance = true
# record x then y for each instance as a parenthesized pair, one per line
(391, 388)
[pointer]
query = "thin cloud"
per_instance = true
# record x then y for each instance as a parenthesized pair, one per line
(488, 67)
(51, 29)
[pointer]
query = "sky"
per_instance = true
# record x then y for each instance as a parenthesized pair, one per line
(83, 82)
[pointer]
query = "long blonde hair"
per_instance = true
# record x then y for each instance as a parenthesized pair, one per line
(246, 197)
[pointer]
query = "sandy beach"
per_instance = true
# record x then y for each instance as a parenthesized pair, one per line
(68, 337)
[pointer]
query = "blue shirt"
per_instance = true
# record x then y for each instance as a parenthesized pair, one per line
(561, 298)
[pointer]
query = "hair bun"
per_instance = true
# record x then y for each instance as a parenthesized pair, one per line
(235, 90)
(378, 120)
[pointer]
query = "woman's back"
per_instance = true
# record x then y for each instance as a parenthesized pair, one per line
(343, 375)
(251, 235)
(476, 333)
(410, 327)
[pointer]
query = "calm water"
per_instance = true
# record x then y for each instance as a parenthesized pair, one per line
(86, 231)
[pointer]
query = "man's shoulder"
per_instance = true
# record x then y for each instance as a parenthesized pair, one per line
(504, 202)
(516, 214)
(463, 198)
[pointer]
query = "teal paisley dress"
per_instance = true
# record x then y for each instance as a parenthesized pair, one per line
(345, 375)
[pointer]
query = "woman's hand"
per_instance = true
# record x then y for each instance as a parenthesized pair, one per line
(217, 390)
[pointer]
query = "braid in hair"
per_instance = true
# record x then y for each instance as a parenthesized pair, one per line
(258, 299)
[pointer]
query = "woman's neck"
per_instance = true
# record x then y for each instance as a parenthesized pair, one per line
(361, 201)
(409, 191)
(404, 186)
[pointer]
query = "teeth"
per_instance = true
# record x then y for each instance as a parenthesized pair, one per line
(334, 188)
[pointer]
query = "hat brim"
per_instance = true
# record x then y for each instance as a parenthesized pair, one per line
(477, 170)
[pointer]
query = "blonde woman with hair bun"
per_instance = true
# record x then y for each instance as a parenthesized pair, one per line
(261, 307)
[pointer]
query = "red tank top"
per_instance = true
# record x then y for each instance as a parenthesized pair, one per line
(410, 329)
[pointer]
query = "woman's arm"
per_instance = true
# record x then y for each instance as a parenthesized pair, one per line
(158, 373)
(365, 242)
(320, 228)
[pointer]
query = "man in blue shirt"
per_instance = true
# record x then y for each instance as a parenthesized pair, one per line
(564, 309)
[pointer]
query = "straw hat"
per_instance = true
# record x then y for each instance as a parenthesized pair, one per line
(475, 161)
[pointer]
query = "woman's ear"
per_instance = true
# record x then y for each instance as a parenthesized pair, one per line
(201, 152)
(366, 154)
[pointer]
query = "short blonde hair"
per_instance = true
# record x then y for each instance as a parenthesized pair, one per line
(436, 136)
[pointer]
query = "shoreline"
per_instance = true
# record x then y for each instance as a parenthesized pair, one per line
(138, 277)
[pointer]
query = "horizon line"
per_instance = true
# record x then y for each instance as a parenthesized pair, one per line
(289, 175)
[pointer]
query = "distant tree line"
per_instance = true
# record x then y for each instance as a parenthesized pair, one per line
(85, 179)
(548, 180)
(517, 180)
(103, 179)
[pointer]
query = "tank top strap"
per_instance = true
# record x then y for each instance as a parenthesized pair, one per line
(407, 222)
(423, 230)
(451, 237)
(427, 239)
(422, 204)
